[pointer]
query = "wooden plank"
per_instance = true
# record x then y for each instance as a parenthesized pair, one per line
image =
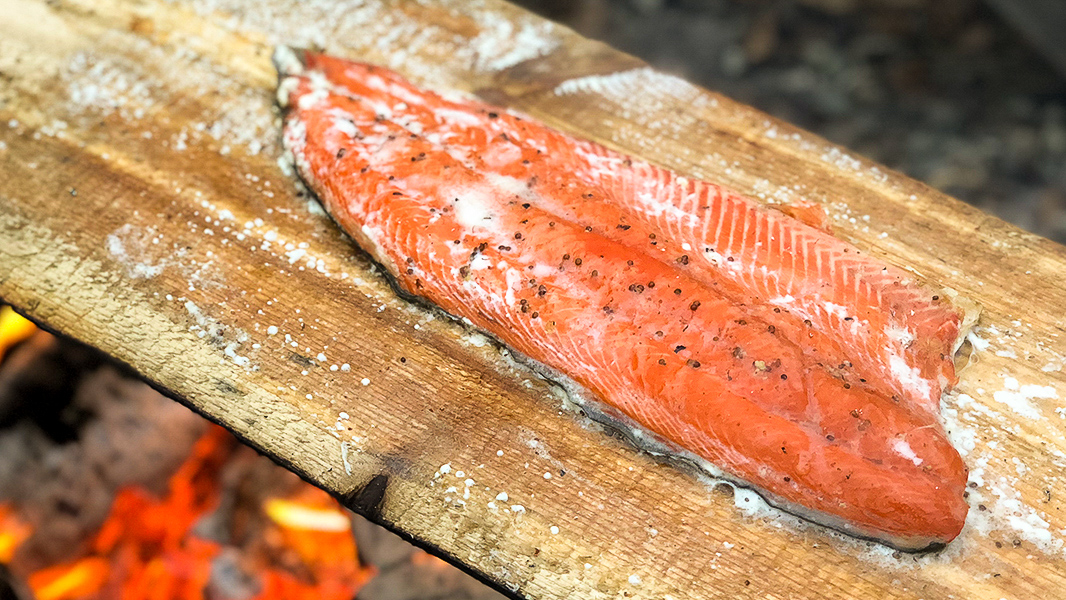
(142, 210)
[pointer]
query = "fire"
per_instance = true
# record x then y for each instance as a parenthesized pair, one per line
(148, 547)
(12, 533)
(77, 580)
(319, 535)
(300, 517)
(14, 328)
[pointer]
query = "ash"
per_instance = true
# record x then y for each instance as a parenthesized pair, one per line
(942, 90)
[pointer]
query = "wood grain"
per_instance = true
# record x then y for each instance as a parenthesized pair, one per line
(143, 210)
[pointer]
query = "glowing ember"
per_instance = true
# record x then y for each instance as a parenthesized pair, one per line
(300, 546)
(14, 328)
(67, 582)
(12, 533)
(318, 534)
(148, 547)
(293, 515)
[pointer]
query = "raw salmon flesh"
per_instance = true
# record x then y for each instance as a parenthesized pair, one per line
(758, 342)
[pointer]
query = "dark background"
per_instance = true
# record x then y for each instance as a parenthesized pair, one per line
(947, 91)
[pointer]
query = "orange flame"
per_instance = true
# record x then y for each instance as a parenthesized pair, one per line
(147, 548)
(319, 532)
(12, 533)
(14, 328)
(69, 581)
(301, 517)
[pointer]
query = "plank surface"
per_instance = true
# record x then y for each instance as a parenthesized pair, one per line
(143, 210)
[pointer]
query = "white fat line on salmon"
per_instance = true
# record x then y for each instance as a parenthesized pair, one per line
(499, 156)
(321, 87)
(376, 82)
(719, 260)
(904, 449)
(342, 122)
(473, 207)
(456, 117)
(909, 377)
(841, 312)
(479, 263)
(381, 109)
(511, 185)
(900, 335)
(601, 166)
(654, 209)
(320, 91)
(514, 281)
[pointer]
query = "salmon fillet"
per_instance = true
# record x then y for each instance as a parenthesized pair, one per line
(764, 345)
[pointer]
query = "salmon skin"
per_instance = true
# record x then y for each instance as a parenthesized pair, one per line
(764, 345)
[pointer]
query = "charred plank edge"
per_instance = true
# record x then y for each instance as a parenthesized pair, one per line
(368, 498)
